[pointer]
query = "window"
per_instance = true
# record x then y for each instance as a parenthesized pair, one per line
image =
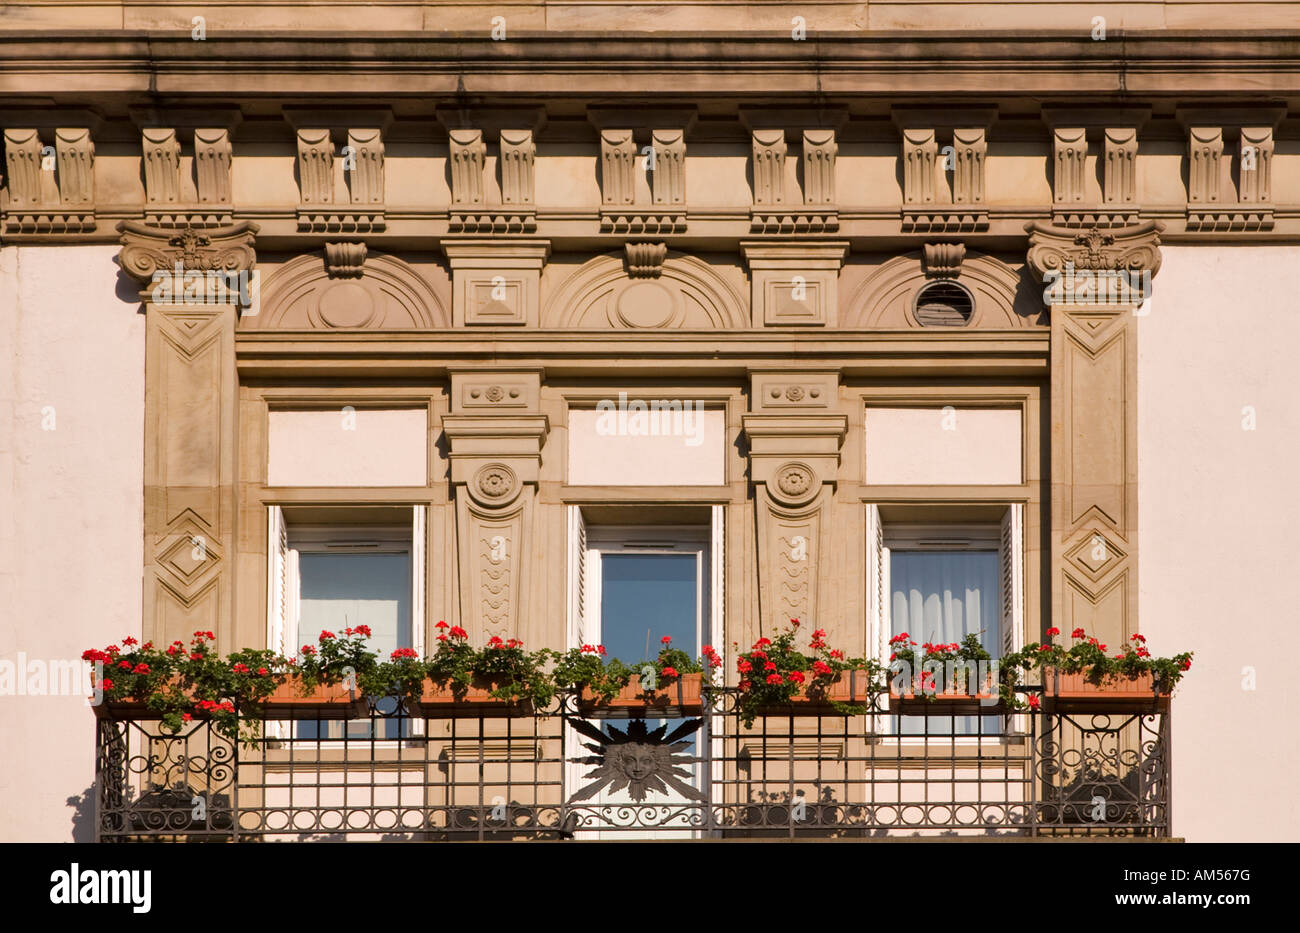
(630, 586)
(944, 304)
(940, 583)
(329, 576)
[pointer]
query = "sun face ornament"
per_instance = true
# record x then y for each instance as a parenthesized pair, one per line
(642, 760)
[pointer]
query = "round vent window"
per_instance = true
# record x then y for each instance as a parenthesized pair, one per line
(944, 304)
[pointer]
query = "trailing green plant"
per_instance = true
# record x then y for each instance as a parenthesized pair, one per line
(336, 660)
(586, 667)
(966, 667)
(181, 683)
(516, 675)
(774, 671)
(1087, 656)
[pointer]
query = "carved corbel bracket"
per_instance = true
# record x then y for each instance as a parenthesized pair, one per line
(51, 186)
(794, 458)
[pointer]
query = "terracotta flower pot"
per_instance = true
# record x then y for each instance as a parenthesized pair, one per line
(324, 701)
(984, 703)
(1076, 693)
(848, 687)
(125, 707)
(680, 697)
(441, 701)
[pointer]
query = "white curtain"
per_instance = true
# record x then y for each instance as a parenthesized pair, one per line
(941, 597)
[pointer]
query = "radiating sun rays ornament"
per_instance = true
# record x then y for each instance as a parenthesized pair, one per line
(641, 760)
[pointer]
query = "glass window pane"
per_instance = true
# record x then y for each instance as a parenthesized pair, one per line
(346, 590)
(644, 597)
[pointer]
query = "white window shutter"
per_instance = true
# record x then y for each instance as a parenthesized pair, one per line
(418, 522)
(577, 577)
(878, 624)
(717, 577)
(277, 558)
(1012, 552)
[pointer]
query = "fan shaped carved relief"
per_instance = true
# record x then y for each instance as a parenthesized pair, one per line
(887, 297)
(687, 294)
(382, 293)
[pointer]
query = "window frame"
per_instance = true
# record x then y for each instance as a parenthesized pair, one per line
(1006, 538)
(287, 540)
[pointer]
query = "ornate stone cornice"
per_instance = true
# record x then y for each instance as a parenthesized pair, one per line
(147, 249)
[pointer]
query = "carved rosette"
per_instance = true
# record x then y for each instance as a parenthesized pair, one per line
(795, 483)
(495, 485)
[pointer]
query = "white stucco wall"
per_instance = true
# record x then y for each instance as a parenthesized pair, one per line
(1218, 517)
(71, 513)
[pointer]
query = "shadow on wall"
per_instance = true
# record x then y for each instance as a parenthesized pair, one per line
(83, 815)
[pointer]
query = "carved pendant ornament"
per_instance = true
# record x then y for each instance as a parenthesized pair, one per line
(641, 761)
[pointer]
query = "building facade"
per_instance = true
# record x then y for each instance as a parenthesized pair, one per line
(523, 318)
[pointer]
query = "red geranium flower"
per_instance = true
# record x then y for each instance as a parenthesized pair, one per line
(796, 676)
(670, 671)
(1053, 631)
(141, 669)
(774, 679)
(1034, 701)
(1078, 633)
(667, 639)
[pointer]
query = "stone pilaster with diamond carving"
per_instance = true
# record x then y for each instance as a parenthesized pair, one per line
(1094, 318)
(191, 282)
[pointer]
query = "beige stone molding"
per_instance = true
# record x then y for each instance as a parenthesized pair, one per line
(794, 459)
(345, 260)
(61, 202)
(1214, 201)
(819, 151)
(1074, 130)
(162, 166)
(212, 166)
(518, 152)
(645, 260)
(496, 282)
(495, 435)
(887, 298)
(942, 260)
(354, 288)
(363, 155)
(775, 210)
(942, 140)
(688, 294)
(150, 253)
(1094, 455)
(470, 131)
(191, 396)
(621, 159)
(794, 283)
(1076, 267)
(668, 178)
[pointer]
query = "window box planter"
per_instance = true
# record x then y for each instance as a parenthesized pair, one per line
(1075, 693)
(984, 703)
(440, 701)
(681, 697)
(850, 687)
(324, 701)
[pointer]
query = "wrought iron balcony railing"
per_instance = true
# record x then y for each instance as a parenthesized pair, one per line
(555, 774)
